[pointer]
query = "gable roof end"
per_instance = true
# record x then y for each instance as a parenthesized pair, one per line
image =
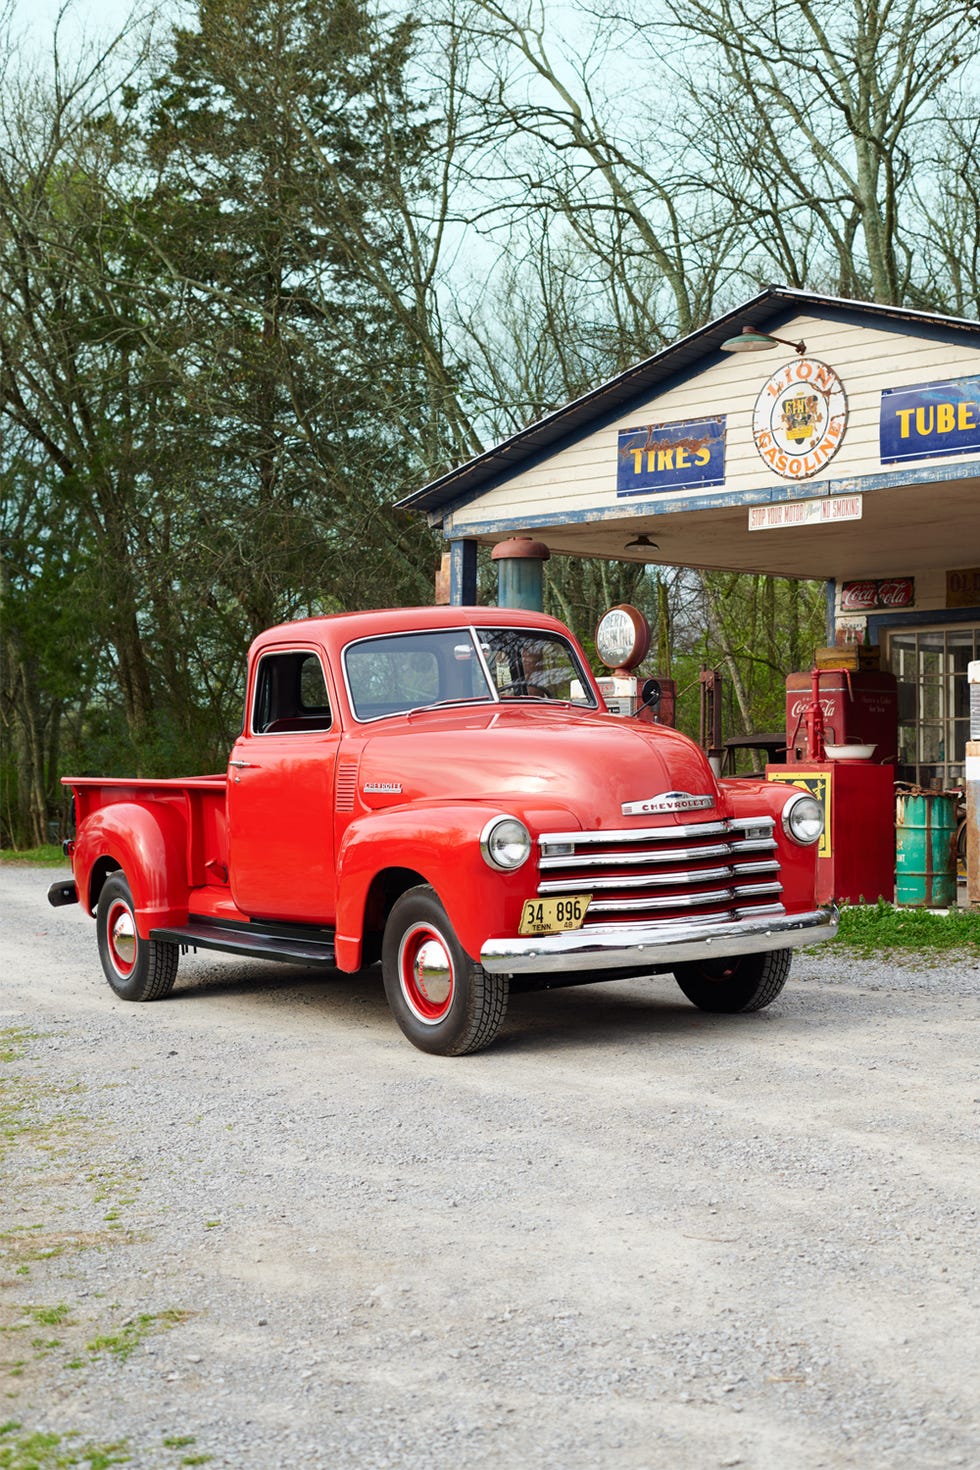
(505, 459)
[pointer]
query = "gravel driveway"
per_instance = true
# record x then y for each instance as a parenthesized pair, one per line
(251, 1226)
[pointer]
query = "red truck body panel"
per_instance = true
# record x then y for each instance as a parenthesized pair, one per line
(326, 813)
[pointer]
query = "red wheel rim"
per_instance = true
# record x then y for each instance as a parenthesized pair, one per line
(121, 938)
(426, 974)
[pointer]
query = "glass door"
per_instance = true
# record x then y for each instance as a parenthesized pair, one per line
(933, 700)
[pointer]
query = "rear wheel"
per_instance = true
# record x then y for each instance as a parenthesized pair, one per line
(137, 969)
(743, 983)
(441, 998)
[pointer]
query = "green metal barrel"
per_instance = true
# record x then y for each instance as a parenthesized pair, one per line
(925, 846)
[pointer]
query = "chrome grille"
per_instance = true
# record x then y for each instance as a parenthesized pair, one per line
(717, 870)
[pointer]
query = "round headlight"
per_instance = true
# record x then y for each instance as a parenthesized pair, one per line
(505, 843)
(803, 819)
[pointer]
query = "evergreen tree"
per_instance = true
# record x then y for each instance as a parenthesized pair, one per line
(271, 131)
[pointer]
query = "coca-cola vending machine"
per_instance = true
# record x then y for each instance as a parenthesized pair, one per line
(860, 707)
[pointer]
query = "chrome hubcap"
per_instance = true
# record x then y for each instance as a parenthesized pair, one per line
(426, 969)
(122, 938)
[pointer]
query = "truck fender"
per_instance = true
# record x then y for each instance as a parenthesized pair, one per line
(148, 841)
(442, 845)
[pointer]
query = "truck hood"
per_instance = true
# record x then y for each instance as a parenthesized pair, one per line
(534, 757)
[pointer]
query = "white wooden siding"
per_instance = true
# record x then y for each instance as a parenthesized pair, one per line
(582, 477)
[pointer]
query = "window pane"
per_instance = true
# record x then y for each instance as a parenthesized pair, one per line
(961, 734)
(290, 694)
(529, 665)
(930, 701)
(388, 676)
(312, 687)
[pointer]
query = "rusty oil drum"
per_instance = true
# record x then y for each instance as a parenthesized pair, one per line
(925, 849)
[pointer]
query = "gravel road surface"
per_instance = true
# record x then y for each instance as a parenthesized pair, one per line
(252, 1226)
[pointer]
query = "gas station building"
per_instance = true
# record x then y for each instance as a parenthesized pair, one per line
(797, 435)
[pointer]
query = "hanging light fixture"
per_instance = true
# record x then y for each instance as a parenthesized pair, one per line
(749, 340)
(641, 543)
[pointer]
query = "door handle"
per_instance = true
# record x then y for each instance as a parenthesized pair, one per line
(242, 764)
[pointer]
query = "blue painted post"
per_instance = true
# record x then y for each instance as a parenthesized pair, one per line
(831, 595)
(520, 573)
(462, 573)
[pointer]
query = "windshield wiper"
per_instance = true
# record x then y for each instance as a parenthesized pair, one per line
(446, 703)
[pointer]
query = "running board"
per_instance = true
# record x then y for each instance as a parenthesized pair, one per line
(254, 940)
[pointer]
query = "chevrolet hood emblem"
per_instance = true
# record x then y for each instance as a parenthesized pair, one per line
(667, 801)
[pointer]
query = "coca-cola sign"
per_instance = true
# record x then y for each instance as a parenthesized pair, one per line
(877, 592)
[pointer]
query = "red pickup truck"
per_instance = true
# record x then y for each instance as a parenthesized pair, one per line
(443, 789)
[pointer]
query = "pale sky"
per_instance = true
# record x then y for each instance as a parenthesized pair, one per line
(35, 19)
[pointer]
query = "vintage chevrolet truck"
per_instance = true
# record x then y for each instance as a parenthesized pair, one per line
(443, 789)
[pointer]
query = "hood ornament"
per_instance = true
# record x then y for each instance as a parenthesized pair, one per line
(667, 801)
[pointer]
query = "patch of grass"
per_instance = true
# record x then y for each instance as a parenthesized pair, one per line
(48, 856)
(877, 926)
(50, 1316)
(20, 1248)
(123, 1343)
(20, 1102)
(40, 1451)
(13, 1040)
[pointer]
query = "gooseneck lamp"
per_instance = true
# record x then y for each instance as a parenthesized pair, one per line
(749, 340)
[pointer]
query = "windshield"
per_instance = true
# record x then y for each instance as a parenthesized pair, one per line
(409, 671)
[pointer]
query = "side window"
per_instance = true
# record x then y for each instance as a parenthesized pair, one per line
(290, 694)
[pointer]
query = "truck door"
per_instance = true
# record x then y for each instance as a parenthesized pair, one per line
(280, 793)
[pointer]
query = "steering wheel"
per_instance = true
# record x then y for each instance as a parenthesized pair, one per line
(522, 687)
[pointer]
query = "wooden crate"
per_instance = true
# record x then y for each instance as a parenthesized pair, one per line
(849, 656)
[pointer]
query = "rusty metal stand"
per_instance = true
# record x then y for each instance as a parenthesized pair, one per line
(710, 718)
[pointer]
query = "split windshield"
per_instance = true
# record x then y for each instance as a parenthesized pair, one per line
(409, 671)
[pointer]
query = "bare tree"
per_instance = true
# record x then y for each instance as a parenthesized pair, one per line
(816, 118)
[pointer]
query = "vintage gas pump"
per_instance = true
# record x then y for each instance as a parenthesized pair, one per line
(831, 756)
(622, 642)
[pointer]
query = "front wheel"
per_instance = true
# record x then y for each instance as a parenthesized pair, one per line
(745, 982)
(137, 969)
(442, 999)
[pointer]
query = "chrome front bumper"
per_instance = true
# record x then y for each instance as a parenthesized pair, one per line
(659, 945)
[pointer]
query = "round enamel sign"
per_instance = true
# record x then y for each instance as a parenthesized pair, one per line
(799, 419)
(622, 637)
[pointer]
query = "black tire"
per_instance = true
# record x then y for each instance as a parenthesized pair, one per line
(457, 1007)
(743, 983)
(137, 969)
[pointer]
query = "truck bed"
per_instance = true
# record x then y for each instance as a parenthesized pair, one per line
(200, 801)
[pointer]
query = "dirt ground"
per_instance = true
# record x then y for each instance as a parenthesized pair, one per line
(252, 1226)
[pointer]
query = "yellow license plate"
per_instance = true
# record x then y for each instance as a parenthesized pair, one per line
(554, 915)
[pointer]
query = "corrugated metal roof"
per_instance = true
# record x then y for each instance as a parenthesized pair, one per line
(497, 464)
